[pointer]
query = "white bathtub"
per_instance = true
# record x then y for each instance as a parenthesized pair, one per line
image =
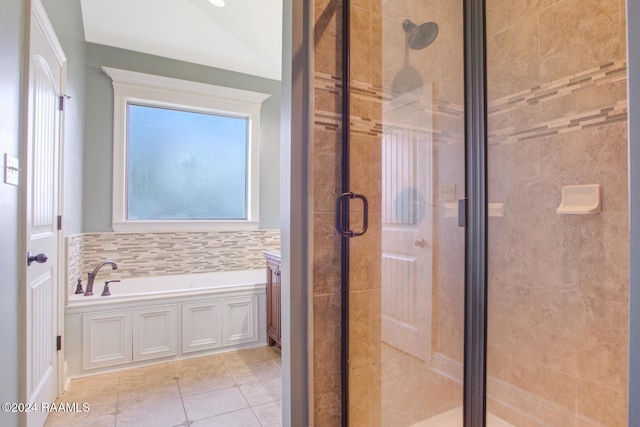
(158, 319)
(163, 286)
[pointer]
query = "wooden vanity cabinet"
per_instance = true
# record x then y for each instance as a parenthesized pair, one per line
(273, 298)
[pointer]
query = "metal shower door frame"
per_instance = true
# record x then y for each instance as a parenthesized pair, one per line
(476, 215)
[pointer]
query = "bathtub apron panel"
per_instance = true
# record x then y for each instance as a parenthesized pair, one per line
(163, 319)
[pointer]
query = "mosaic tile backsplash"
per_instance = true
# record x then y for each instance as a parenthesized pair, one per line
(159, 254)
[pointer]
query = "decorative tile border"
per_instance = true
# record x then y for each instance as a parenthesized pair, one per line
(564, 124)
(366, 126)
(158, 254)
(601, 76)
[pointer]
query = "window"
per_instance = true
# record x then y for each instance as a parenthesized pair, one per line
(185, 154)
(184, 165)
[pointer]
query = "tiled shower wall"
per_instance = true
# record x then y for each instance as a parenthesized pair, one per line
(558, 284)
(158, 254)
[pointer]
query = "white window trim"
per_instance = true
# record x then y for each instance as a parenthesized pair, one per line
(130, 86)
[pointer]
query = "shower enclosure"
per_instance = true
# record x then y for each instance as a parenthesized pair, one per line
(466, 298)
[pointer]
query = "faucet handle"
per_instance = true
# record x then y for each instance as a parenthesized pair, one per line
(106, 292)
(79, 289)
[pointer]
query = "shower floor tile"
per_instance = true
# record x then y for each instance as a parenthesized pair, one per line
(453, 418)
(239, 388)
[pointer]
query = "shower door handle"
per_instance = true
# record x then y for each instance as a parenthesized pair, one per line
(341, 209)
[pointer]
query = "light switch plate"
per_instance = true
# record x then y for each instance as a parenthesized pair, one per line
(448, 193)
(11, 170)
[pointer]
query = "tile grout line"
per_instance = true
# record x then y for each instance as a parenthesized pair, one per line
(117, 411)
(256, 415)
(187, 421)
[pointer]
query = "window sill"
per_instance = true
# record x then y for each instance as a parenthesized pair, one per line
(173, 226)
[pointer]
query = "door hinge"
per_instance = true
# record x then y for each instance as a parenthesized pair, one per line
(59, 222)
(59, 342)
(462, 213)
(61, 99)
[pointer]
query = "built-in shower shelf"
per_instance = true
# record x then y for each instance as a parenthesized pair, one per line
(580, 199)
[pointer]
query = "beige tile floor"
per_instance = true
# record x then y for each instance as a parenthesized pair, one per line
(235, 389)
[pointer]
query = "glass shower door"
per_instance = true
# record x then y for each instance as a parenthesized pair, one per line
(557, 349)
(407, 156)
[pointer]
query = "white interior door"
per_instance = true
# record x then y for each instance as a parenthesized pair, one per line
(407, 225)
(46, 73)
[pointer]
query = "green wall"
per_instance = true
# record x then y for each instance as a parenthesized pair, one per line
(98, 146)
(89, 120)
(66, 18)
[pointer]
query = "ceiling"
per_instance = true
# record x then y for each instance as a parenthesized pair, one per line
(244, 36)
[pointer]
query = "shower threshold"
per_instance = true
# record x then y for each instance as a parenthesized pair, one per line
(453, 418)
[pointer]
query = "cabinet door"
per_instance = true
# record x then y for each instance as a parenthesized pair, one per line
(273, 302)
(277, 297)
(106, 339)
(240, 320)
(155, 332)
(201, 326)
